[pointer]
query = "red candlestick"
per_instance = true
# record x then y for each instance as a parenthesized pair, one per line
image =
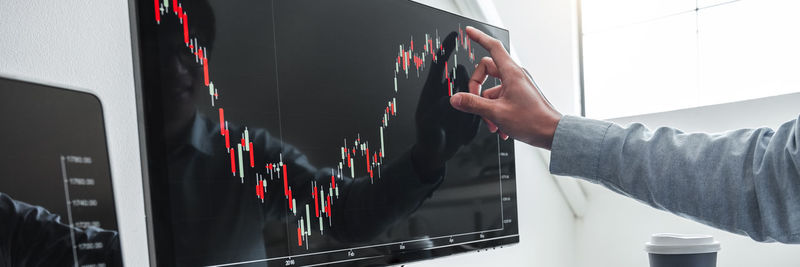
(185, 28)
(221, 121)
(285, 182)
(158, 12)
(290, 199)
(299, 238)
(316, 201)
(227, 139)
(328, 203)
(233, 162)
(205, 68)
(252, 161)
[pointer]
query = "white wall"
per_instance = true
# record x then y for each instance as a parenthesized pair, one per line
(614, 228)
(86, 44)
(544, 38)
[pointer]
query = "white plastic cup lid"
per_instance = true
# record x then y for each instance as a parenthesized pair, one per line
(666, 243)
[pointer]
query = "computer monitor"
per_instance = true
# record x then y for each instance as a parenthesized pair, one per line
(316, 132)
(56, 200)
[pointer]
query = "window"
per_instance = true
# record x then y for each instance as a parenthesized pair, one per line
(644, 56)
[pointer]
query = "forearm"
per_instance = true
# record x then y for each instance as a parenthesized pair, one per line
(743, 181)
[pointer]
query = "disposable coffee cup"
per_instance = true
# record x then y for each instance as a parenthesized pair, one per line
(671, 250)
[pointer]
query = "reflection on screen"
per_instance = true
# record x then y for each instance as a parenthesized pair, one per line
(282, 134)
(56, 201)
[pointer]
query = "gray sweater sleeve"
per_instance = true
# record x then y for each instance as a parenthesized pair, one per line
(745, 181)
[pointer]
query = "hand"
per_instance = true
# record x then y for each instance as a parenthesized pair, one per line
(441, 130)
(516, 107)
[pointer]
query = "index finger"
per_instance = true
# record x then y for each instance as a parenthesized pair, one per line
(495, 48)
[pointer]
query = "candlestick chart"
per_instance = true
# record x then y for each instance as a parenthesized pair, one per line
(357, 157)
(305, 129)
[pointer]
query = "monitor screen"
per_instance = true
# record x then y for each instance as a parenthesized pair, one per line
(316, 132)
(56, 200)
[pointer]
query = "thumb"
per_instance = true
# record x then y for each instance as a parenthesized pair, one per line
(471, 103)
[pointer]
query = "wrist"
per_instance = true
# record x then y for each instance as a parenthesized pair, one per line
(549, 130)
(541, 131)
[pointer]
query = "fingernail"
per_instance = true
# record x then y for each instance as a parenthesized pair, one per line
(492, 128)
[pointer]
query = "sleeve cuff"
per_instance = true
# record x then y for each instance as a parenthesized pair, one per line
(577, 146)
